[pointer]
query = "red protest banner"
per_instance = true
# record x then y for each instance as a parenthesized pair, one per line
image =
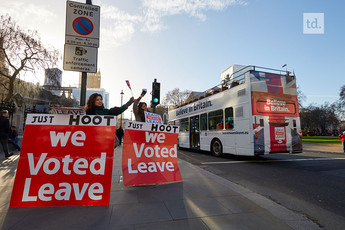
(65, 160)
(149, 154)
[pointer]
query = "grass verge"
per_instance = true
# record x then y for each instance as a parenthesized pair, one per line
(321, 140)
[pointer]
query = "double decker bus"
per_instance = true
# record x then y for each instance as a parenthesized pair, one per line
(254, 111)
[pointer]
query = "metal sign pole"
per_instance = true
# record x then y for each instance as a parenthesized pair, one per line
(83, 88)
(84, 78)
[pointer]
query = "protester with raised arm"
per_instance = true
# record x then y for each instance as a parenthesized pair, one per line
(94, 106)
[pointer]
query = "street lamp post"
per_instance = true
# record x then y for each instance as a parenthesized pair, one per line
(121, 105)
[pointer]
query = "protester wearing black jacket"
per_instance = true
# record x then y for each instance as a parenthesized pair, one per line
(4, 131)
(13, 137)
(94, 106)
(119, 134)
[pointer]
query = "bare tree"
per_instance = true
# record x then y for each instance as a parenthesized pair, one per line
(176, 97)
(300, 97)
(320, 118)
(342, 93)
(340, 104)
(21, 51)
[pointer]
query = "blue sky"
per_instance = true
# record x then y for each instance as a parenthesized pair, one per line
(187, 44)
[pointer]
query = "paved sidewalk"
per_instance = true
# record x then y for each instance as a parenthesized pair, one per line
(202, 201)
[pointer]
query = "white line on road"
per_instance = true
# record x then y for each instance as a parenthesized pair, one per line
(265, 161)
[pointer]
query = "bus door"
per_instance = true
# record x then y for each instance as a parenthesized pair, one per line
(296, 140)
(194, 136)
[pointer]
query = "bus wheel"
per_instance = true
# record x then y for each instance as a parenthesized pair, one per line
(216, 148)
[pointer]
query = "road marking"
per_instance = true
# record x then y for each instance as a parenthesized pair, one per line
(264, 161)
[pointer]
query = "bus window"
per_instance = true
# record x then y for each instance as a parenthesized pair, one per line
(229, 118)
(203, 121)
(184, 125)
(261, 122)
(215, 120)
(294, 127)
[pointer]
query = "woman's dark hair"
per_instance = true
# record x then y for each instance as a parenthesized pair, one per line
(141, 111)
(90, 105)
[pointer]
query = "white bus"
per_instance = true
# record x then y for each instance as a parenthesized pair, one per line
(253, 112)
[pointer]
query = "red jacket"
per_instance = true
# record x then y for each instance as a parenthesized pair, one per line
(342, 137)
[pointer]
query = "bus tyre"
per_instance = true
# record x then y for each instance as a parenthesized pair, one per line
(216, 148)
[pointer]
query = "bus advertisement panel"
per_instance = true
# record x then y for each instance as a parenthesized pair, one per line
(274, 101)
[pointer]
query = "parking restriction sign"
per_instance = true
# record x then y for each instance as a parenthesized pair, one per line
(82, 24)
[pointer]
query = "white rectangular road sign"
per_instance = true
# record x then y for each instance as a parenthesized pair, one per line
(82, 24)
(80, 58)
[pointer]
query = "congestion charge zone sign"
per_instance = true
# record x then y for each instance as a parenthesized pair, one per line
(82, 24)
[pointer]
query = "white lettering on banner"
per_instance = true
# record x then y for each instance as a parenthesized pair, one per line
(275, 102)
(149, 152)
(153, 136)
(34, 170)
(43, 191)
(79, 194)
(26, 196)
(279, 109)
(194, 107)
(64, 193)
(138, 153)
(76, 136)
(56, 164)
(142, 167)
(55, 138)
(66, 160)
(79, 166)
(275, 105)
(46, 191)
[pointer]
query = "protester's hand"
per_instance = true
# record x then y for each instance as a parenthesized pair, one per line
(143, 92)
(132, 99)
